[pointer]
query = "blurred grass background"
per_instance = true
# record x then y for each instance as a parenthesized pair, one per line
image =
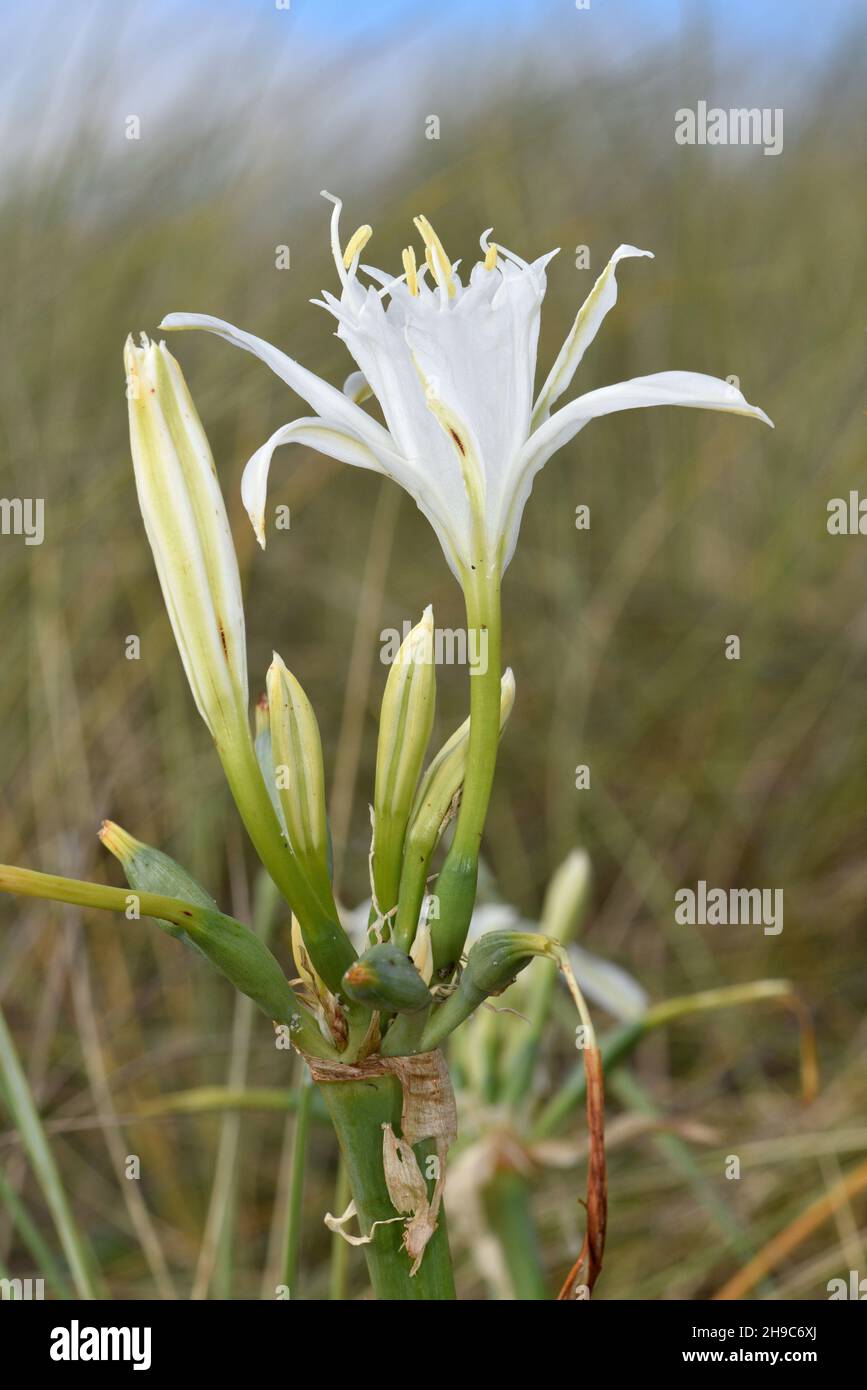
(744, 773)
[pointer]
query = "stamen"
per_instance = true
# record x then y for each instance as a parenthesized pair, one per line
(440, 265)
(491, 258)
(356, 243)
(409, 265)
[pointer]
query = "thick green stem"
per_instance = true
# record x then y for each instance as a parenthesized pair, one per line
(508, 1209)
(456, 884)
(359, 1109)
(330, 949)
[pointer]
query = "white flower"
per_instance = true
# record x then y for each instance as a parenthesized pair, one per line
(452, 366)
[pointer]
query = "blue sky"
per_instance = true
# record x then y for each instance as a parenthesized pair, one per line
(154, 48)
(808, 26)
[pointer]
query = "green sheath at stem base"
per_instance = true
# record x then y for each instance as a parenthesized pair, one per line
(358, 1110)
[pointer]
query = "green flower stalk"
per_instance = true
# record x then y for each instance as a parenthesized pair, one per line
(299, 777)
(405, 724)
(456, 885)
(233, 950)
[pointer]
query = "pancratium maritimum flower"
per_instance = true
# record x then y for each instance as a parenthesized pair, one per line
(452, 366)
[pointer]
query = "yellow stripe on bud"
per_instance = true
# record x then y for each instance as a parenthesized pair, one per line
(356, 243)
(491, 258)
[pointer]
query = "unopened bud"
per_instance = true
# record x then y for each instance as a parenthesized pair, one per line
(405, 724)
(444, 779)
(492, 965)
(149, 870)
(385, 978)
(296, 750)
(186, 524)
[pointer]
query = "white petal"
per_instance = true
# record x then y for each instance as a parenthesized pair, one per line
(325, 399)
(356, 387)
(601, 299)
(345, 432)
(316, 434)
(462, 439)
(481, 357)
(424, 460)
(332, 439)
(692, 389)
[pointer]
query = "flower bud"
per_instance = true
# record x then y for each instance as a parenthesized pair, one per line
(385, 978)
(405, 724)
(149, 870)
(492, 965)
(298, 775)
(186, 524)
(444, 777)
(230, 947)
(498, 957)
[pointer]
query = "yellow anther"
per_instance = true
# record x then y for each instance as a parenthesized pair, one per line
(409, 266)
(440, 265)
(490, 257)
(356, 243)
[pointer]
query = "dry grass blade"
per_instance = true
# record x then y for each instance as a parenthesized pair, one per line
(794, 1234)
